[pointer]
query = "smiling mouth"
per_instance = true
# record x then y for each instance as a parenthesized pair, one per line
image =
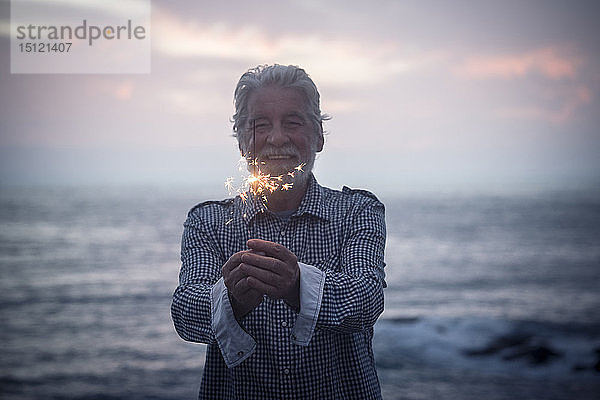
(279, 157)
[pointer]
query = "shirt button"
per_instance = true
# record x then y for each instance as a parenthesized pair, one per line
(286, 371)
(284, 324)
(240, 353)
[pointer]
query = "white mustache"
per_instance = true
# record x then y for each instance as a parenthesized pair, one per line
(286, 151)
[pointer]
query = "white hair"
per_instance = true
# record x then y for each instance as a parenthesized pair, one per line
(289, 76)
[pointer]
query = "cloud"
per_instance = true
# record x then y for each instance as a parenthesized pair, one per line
(338, 106)
(548, 62)
(551, 78)
(572, 100)
(118, 89)
(115, 7)
(331, 61)
(193, 103)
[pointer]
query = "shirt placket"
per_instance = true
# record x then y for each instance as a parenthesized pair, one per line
(287, 350)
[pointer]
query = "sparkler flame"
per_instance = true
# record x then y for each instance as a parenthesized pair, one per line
(258, 183)
(229, 184)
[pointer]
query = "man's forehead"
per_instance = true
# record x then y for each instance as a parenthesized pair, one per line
(292, 114)
(275, 98)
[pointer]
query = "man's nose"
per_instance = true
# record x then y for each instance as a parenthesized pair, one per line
(277, 137)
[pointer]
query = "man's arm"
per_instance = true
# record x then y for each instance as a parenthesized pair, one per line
(353, 296)
(346, 301)
(201, 308)
(200, 270)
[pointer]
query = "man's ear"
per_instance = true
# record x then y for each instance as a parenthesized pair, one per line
(320, 142)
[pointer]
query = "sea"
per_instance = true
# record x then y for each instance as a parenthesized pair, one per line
(489, 295)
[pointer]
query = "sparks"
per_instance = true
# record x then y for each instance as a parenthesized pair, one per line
(229, 184)
(258, 183)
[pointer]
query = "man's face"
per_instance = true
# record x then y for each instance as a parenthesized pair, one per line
(285, 136)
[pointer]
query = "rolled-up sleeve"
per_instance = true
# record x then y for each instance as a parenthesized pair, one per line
(234, 342)
(312, 280)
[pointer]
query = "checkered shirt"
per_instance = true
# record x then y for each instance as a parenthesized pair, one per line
(322, 352)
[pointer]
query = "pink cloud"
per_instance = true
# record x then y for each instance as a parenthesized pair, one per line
(548, 62)
(573, 99)
(332, 61)
(118, 89)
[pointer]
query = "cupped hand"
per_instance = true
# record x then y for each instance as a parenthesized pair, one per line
(272, 269)
(243, 296)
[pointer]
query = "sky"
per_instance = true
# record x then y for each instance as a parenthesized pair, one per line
(423, 95)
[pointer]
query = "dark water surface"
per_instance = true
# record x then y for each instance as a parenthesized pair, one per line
(87, 276)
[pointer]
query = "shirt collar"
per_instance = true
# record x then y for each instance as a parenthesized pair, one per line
(251, 205)
(312, 203)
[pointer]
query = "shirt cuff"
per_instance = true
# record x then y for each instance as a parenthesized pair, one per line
(312, 281)
(234, 342)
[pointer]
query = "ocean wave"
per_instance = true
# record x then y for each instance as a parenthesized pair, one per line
(489, 346)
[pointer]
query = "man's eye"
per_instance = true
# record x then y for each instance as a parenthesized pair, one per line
(293, 124)
(260, 125)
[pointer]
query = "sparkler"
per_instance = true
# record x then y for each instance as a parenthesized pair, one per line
(258, 183)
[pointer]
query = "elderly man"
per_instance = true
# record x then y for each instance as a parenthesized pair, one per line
(283, 284)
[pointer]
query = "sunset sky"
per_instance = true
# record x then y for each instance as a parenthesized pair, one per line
(423, 95)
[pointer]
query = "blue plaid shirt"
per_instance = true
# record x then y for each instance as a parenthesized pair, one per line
(323, 351)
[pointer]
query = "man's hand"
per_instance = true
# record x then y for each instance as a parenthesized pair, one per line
(243, 297)
(272, 269)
